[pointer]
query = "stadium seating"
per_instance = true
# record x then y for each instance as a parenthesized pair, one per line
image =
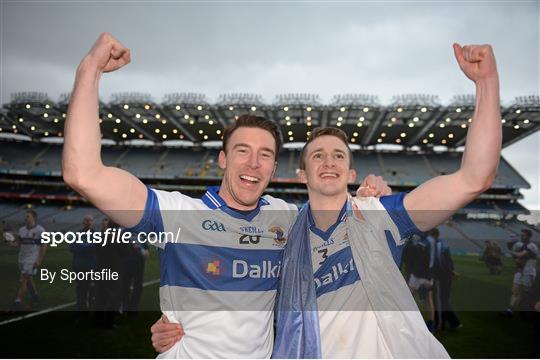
(177, 162)
(442, 164)
(507, 176)
(288, 163)
(366, 164)
(143, 161)
(156, 162)
(458, 241)
(480, 231)
(404, 169)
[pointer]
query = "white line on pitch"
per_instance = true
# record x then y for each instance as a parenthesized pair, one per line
(54, 308)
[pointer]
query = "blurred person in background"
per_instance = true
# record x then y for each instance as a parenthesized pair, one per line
(109, 292)
(132, 283)
(84, 259)
(416, 259)
(442, 269)
(524, 253)
(31, 253)
(492, 257)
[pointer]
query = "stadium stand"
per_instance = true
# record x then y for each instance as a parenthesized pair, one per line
(458, 241)
(287, 164)
(142, 161)
(366, 164)
(446, 164)
(508, 176)
(399, 141)
(176, 162)
(404, 169)
(480, 231)
(160, 161)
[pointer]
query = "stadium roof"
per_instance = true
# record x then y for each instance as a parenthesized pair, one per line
(409, 120)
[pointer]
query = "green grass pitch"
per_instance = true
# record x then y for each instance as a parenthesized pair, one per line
(478, 295)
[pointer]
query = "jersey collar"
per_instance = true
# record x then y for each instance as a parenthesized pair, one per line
(325, 235)
(212, 199)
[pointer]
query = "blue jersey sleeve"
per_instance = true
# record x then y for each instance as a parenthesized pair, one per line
(151, 220)
(395, 208)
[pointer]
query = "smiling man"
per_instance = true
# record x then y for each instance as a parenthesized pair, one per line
(337, 314)
(358, 304)
(219, 281)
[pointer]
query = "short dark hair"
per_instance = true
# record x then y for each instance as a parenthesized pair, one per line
(326, 131)
(253, 121)
(527, 231)
(33, 213)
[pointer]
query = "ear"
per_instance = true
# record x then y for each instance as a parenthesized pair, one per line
(222, 160)
(302, 176)
(352, 176)
(274, 171)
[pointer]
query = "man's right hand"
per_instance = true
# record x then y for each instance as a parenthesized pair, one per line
(165, 334)
(107, 54)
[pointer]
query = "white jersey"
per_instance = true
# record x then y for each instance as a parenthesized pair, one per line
(219, 281)
(529, 268)
(348, 324)
(30, 243)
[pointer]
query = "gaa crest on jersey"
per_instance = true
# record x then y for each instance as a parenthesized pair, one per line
(280, 238)
(212, 225)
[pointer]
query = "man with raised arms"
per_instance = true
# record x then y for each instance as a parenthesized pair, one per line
(315, 318)
(220, 281)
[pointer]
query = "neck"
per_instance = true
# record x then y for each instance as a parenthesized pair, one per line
(325, 209)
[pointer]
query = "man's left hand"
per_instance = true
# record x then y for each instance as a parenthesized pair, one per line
(373, 186)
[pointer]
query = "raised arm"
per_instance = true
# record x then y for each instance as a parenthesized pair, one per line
(116, 192)
(436, 200)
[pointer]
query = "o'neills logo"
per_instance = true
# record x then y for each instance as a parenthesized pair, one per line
(264, 270)
(280, 238)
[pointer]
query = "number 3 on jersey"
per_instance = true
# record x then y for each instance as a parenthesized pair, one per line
(324, 255)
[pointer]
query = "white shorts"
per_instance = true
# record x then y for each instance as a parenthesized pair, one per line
(26, 268)
(525, 280)
(416, 282)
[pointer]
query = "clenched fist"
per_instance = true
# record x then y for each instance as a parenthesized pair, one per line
(107, 54)
(476, 61)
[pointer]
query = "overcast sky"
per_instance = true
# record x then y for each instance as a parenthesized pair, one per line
(271, 48)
